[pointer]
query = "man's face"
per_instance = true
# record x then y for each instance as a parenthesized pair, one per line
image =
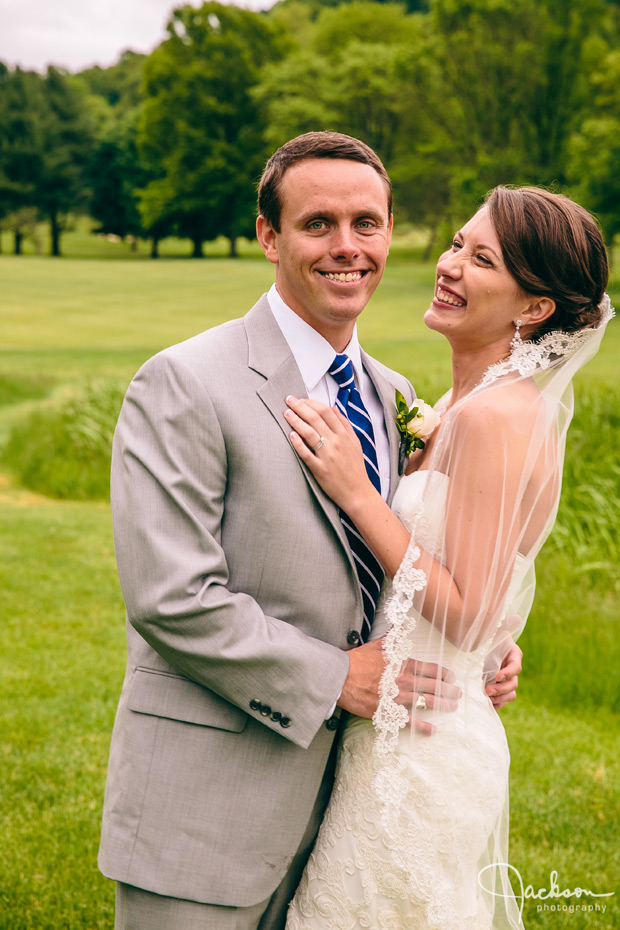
(333, 242)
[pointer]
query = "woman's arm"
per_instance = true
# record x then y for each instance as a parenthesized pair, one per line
(464, 597)
(339, 468)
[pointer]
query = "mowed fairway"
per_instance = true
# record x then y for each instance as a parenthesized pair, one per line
(63, 648)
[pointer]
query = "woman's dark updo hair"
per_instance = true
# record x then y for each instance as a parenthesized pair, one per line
(553, 248)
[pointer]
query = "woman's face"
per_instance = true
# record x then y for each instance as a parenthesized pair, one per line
(476, 298)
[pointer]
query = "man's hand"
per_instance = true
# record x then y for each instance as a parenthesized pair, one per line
(360, 694)
(504, 689)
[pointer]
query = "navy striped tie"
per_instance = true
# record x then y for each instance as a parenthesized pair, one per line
(350, 403)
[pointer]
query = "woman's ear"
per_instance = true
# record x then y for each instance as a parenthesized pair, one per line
(537, 311)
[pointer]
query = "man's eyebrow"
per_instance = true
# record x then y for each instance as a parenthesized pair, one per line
(315, 215)
(312, 215)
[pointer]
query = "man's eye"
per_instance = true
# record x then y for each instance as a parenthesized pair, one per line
(317, 224)
(365, 224)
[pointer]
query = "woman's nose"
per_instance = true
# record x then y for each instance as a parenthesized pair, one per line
(449, 265)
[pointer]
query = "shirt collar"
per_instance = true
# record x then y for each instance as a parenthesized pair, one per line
(311, 351)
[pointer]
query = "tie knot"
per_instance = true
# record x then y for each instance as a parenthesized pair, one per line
(341, 369)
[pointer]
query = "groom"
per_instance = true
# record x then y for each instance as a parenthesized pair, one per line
(244, 604)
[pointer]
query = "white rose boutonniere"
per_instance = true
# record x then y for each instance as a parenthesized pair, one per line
(415, 424)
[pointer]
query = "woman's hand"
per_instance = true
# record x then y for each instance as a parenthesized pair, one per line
(325, 440)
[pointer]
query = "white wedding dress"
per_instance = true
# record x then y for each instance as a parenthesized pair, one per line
(457, 782)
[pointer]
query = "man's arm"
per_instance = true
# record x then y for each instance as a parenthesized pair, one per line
(360, 694)
(169, 484)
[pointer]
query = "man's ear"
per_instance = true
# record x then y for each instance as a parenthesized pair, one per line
(267, 239)
(537, 311)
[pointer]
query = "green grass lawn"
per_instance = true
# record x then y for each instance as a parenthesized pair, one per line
(62, 662)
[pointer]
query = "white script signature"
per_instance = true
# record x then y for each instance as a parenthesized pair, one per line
(543, 894)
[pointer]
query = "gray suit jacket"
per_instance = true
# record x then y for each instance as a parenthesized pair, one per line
(240, 591)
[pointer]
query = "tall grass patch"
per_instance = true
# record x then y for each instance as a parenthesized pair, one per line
(64, 450)
(16, 388)
(589, 516)
(571, 642)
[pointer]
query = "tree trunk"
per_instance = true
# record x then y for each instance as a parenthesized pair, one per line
(197, 253)
(428, 251)
(55, 234)
(17, 250)
(233, 247)
(154, 247)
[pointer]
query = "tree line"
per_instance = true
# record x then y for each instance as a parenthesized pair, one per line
(456, 96)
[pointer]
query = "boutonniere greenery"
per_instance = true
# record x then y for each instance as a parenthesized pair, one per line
(415, 424)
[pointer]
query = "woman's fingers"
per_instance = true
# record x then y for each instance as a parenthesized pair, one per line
(311, 434)
(304, 452)
(317, 415)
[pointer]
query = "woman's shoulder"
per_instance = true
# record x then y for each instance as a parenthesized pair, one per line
(506, 409)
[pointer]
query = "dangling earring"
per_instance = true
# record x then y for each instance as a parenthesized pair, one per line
(516, 342)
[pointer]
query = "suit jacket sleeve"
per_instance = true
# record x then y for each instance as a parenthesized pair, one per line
(169, 479)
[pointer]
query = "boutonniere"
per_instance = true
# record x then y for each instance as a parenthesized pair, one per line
(415, 424)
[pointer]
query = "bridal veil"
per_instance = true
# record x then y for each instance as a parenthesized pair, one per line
(465, 587)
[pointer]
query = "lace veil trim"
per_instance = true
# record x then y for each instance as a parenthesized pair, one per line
(534, 356)
(555, 351)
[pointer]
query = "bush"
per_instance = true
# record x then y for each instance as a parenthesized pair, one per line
(64, 451)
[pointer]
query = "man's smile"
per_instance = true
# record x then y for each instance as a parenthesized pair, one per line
(344, 277)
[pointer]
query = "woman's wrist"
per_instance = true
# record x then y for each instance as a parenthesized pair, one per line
(361, 504)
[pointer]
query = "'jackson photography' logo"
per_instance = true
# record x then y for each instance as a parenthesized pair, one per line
(553, 893)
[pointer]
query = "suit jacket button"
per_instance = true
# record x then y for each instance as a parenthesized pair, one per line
(353, 638)
(276, 715)
(285, 722)
(265, 710)
(255, 705)
(332, 722)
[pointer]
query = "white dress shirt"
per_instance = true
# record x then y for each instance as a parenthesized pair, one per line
(314, 356)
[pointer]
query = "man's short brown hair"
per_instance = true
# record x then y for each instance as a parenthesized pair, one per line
(312, 145)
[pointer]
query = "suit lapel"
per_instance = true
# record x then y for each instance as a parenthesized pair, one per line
(386, 391)
(269, 355)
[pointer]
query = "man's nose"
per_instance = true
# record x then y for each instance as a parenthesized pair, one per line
(344, 244)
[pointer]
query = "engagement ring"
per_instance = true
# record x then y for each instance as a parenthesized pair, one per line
(319, 444)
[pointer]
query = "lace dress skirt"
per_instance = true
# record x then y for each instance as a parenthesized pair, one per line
(456, 798)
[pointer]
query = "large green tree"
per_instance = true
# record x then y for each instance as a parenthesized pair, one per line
(200, 128)
(119, 85)
(21, 148)
(594, 163)
(514, 84)
(346, 78)
(67, 140)
(115, 175)
(370, 70)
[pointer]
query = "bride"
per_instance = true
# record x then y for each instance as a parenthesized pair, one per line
(415, 836)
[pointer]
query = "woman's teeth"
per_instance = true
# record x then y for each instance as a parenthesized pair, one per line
(447, 298)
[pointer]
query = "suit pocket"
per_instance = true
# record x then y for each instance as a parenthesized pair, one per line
(164, 695)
